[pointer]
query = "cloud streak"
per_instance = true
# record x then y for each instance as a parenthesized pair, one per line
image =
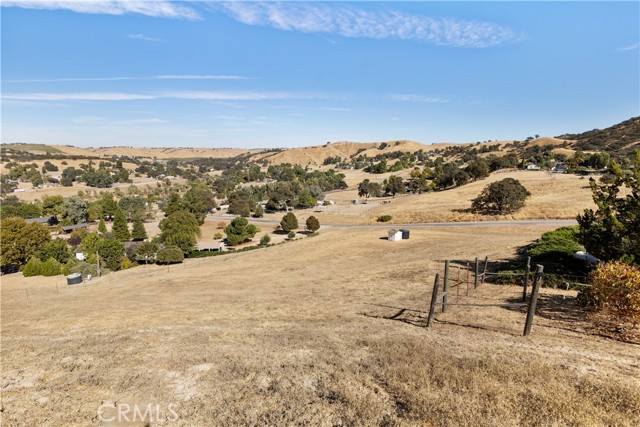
(125, 96)
(353, 22)
(107, 79)
(635, 46)
(154, 8)
(143, 37)
(411, 97)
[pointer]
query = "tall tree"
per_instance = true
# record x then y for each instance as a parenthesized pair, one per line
(394, 185)
(120, 228)
(102, 227)
(289, 222)
(138, 231)
(20, 241)
(109, 205)
(74, 210)
(180, 229)
(240, 231)
(199, 201)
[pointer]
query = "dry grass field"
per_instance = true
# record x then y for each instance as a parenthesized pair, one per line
(307, 333)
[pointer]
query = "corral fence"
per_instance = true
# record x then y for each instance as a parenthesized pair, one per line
(462, 279)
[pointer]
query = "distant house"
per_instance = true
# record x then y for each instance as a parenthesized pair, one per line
(394, 235)
(46, 220)
(533, 167)
(210, 246)
(560, 167)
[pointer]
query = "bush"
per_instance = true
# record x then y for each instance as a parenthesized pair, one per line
(68, 266)
(384, 218)
(291, 235)
(51, 267)
(85, 269)
(615, 288)
(313, 224)
(240, 231)
(264, 240)
(170, 255)
(217, 236)
(289, 222)
(33, 267)
(501, 197)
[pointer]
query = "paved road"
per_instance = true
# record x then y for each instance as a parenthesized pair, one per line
(501, 223)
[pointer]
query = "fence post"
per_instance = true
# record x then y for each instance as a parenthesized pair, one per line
(468, 270)
(445, 285)
(477, 271)
(484, 270)
(434, 298)
(534, 299)
(526, 279)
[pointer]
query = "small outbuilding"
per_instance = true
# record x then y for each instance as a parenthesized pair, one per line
(405, 233)
(394, 235)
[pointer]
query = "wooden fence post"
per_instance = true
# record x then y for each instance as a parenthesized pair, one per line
(534, 299)
(468, 281)
(477, 271)
(526, 279)
(445, 285)
(434, 298)
(484, 270)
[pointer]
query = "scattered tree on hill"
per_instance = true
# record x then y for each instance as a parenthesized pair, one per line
(611, 231)
(109, 205)
(102, 227)
(289, 222)
(138, 231)
(111, 253)
(174, 204)
(20, 241)
(394, 185)
(180, 229)
(369, 189)
(240, 231)
(199, 201)
(68, 176)
(120, 228)
(501, 197)
(170, 255)
(313, 224)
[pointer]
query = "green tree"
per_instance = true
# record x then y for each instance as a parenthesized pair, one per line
(174, 204)
(33, 267)
(289, 222)
(610, 232)
(109, 205)
(199, 201)
(306, 200)
(369, 189)
(180, 229)
(501, 197)
(56, 249)
(90, 243)
(52, 205)
(102, 227)
(147, 251)
(111, 253)
(68, 176)
(240, 231)
(133, 206)
(394, 185)
(478, 169)
(138, 231)
(313, 224)
(120, 228)
(30, 210)
(74, 210)
(170, 255)
(259, 213)
(20, 241)
(51, 267)
(291, 235)
(265, 240)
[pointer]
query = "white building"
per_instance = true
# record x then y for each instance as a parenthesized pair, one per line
(394, 235)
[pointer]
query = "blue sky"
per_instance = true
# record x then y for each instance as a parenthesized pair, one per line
(272, 74)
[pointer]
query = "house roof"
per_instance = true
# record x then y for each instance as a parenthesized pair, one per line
(41, 220)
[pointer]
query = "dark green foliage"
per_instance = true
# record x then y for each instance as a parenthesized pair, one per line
(68, 267)
(610, 139)
(394, 185)
(68, 176)
(501, 197)
(478, 169)
(20, 241)
(289, 222)
(138, 231)
(259, 213)
(369, 189)
(291, 235)
(56, 249)
(384, 218)
(120, 228)
(133, 206)
(180, 229)
(240, 203)
(199, 200)
(240, 231)
(174, 204)
(90, 243)
(306, 200)
(611, 231)
(51, 267)
(99, 179)
(557, 246)
(265, 240)
(170, 255)
(109, 205)
(111, 253)
(52, 205)
(147, 251)
(33, 267)
(313, 224)
(74, 210)
(102, 227)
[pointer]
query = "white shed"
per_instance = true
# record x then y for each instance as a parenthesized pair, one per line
(394, 235)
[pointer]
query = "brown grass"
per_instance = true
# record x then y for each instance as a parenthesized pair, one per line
(300, 334)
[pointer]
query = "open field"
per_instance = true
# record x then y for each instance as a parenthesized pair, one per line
(307, 341)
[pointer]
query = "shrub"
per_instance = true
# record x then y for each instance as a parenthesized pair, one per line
(85, 269)
(221, 225)
(170, 255)
(217, 236)
(291, 235)
(615, 288)
(289, 222)
(240, 231)
(68, 266)
(51, 267)
(264, 240)
(384, 218)
(33, 267)
(501, 197)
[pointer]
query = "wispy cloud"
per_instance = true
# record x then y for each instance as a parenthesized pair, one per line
(124, 96)
(155, 8)
(634, 46)
(350, 21)
(105, 79)
(143, 37)
(411, 97)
